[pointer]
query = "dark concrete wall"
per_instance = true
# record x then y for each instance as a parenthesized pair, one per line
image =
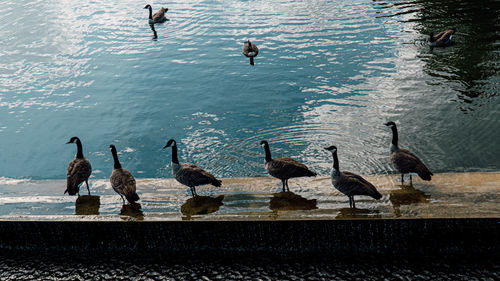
(281, 238)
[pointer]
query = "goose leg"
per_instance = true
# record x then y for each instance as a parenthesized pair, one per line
(410, 180)
(194, 188)
(402, 178)
(287, 189)
(87, 183)
(353, 203)
(192, 192)
(283, 181)
(350, 202)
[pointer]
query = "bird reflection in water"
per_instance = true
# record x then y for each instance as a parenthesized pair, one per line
(87, 205)
(289, 201)
(355, 213)
(405, 196)
(200, 205)
(155, 35)
(133, 211)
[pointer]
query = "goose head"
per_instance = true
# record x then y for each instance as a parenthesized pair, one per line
(147, 6)
(112, 148)
(264, 143)
(169, 143)
(331, 148)
(390, 124)
(73, 139)
(454, 29)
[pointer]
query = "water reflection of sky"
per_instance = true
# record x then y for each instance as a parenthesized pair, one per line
(327, 73)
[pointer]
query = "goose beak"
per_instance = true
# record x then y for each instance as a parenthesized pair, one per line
(68, 142)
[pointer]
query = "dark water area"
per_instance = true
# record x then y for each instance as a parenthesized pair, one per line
(19, 266)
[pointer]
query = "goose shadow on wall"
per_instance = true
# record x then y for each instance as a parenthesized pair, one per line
(87, 205)
(289, 201)
(407, 195)
(201, 205)
(133, 211)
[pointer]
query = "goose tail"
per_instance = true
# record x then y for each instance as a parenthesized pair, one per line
(132, 198)
(216, 182)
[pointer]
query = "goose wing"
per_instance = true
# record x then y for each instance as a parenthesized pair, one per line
(286, 167)
(79, 170)
(359, 185)
(192, 175)
(250, 51)
(123, 182)
(408, 161)
(160, 14)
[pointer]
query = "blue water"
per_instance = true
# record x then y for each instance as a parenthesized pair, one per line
(328, 72)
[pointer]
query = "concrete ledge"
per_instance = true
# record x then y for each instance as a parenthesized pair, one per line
(277, 238)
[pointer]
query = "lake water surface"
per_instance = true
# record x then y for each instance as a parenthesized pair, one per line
(328, 72)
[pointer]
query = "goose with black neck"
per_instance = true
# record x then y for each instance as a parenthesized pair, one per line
(404, 160)
(122, 180)
(79, 170)
(349, 183)
(189, 174)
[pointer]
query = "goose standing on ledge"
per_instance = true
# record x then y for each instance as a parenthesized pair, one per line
(79, 170)
(349, 183)
(443, 38)
(284, 168)
(404, 160)
(250, 50)
(157, 17)
(122, 180)
(189, 174)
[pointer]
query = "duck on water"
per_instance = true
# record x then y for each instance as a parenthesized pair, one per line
(250, 50)
(404, 160)
(349, 183)
(157, 17)
(189, 174)
(79, 170)
(122, 180)
(443, 38)
(284, 168)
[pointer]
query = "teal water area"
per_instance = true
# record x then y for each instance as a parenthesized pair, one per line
(328, 72)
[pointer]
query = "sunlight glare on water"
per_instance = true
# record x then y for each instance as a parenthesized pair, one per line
(328, 72)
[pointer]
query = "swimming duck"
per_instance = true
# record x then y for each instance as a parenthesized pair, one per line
(404, 160)
(157, 17)
(349, 183)
(284, 168)
(189, 174)
(122, 180)
(250, 50)
(443, 38)
(79, 170)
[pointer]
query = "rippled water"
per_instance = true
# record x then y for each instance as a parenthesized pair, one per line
(328, 72)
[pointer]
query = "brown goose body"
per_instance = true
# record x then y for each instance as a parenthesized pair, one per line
(157, 17)
(443, 38)
(404, 160)
(285, 168)
(349, 183)
(250, 50)
(122, 180)
(189, 174)
(79, 170)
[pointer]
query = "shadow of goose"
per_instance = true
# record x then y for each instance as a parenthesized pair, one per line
(201, 205)
(355, 213)
(132, 210)
(87, 205)
(405, 196)
(289, 201)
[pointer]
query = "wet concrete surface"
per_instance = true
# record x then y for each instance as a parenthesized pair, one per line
(448, 195)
